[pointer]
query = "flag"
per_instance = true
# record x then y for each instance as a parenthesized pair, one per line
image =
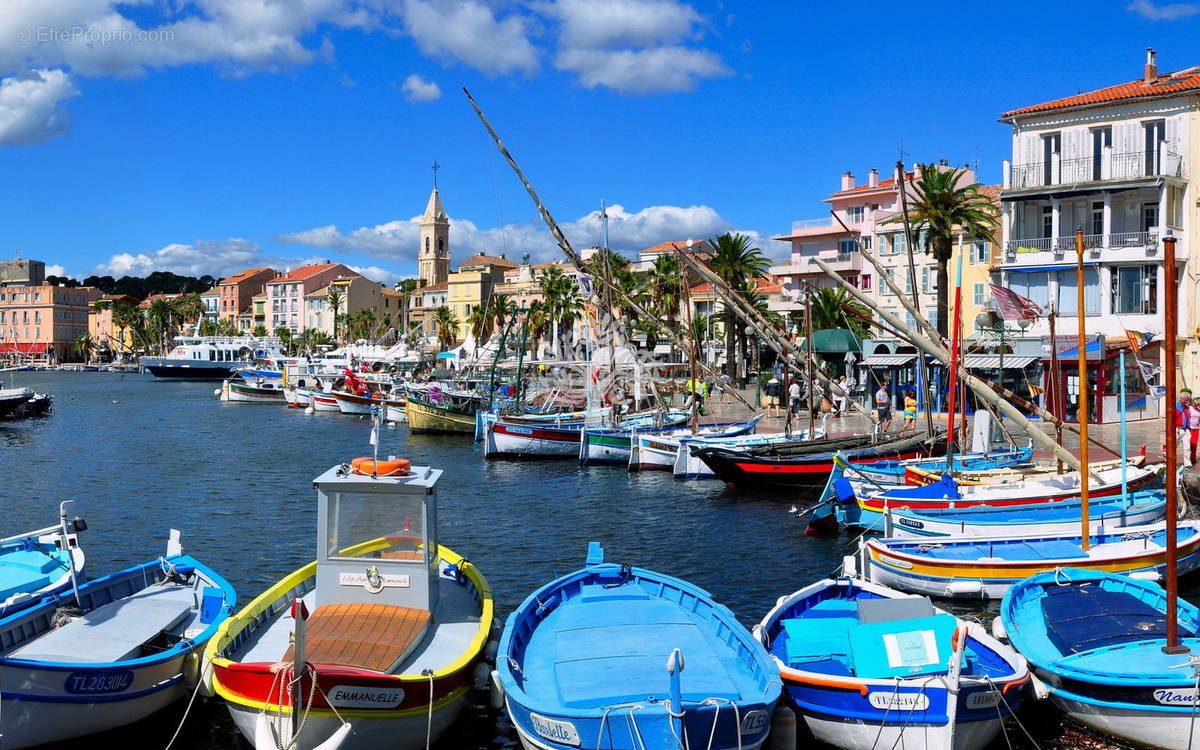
(1138, 340)
(376, 412)
(1013, 306)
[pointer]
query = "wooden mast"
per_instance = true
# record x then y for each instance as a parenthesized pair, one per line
(1169, 322)
(922, 370)
(1055, 380)
(1081, 345)
(954, 363)
(687, 301)
(808, 350)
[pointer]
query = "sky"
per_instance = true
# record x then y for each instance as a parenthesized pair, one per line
(208, 136)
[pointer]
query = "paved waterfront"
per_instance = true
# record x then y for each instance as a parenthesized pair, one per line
(142, 456)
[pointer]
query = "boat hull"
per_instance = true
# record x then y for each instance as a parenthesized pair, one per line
(505, 440)
(324, 402)
(428, 418)
(906, 523)
(255, 394)
(168, 371)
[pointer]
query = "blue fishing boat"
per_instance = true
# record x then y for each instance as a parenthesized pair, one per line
(868, 666)
(40, 563)
(893, 472)
(1095, 642)
(604, 445)
(1054, 517)
(618, 657)
(110, 652)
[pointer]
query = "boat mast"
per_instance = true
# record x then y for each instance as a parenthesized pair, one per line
(687, 301)
(1081, 346)
(1171, 292)
(954, 362)
(1055, 380)
(808, 354)
(922, 373)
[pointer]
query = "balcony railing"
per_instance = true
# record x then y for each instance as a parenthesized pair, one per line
(800, 226)
(1066, 243)
(1116, 166)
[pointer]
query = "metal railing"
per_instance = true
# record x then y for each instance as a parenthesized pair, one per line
(1090, 242)
(1121, 166)
(799, 226)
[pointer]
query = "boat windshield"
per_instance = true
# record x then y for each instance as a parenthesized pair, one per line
(382, 527)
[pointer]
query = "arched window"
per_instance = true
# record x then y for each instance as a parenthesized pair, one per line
(441, 244)
(426, 245)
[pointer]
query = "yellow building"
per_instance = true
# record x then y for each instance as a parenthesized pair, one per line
(473, 285)
(980, 256)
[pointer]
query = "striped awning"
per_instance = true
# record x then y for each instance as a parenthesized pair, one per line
(888, 360)
(992, 361)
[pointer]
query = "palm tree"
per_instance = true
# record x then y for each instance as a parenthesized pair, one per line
(160, 319)
(829, 306)
(85, 344)
(666, 286)
(260, 331)
(284, 334)
(334, 298)
(447, 327)
(188, 308)
(699, 334)
(479, 321)
(736, 262)
(124, 319)
(940, 207)
(536, 322)
(362, 323)
(502, 306)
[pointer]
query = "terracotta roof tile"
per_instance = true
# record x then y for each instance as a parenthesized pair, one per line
(243, 275)
(1168, 84)
(445, 285)
(480, 259)
(304, 272)
(761, 285)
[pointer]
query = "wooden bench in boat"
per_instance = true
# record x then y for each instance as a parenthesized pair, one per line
(366, 636)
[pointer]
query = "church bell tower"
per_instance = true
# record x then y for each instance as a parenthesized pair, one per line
(433, 257)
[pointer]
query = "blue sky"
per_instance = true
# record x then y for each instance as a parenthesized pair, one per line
(205, 136)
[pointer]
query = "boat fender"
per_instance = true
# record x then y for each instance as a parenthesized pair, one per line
(490, 650)
(759, 634)
(483, 673)
(1040, 690)
(309, 409)
(998, 630)
(849, 566)
(191, 670)
(496, 694)
(783, 729)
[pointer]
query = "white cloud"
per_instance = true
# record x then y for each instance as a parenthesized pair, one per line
(30, 110)
(1174, 11)
(633, 46)
(375, 273)
(468, 31)
(642, 71)
(56, 270)
(417, 89)
(204, 257)
(628, 233)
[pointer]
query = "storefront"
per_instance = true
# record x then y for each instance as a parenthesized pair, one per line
(1103, 364)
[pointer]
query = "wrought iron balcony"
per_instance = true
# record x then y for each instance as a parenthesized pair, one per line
(1066, 243)
(1122, 166)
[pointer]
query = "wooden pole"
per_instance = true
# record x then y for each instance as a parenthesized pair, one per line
(1081, 345)
(1055, 381)
(953, 367)
(808, 350)
(1170, 324)
(922, 371)
(687, 296)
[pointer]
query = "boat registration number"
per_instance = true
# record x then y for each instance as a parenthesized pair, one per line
(514, 430)
(753, 722)
(899, 701)
(88, 683)
(373, 581)
(558, 731)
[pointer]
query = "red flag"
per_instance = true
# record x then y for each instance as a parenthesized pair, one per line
(1013, 306)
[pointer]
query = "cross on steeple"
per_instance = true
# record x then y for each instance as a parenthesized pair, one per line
(435, 168)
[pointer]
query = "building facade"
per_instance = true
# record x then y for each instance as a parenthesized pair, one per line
(433, 256)
(43, 321)
(284, 303)
(473, 285)
(235, 292)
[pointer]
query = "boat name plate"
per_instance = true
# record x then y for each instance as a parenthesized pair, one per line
(899, 701)
(987, 699)
(517, 430)
(910, 523)
(357, 696)
(753, 722)
(894, 562)
(90, 683)
(1171, 697)
(558, 731)
(373, 581)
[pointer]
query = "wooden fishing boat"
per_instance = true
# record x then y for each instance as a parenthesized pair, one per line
(659, 451)
(896, 472)
(258, 391)
(375, 644)
(528, 438)
(1055, 517)
(920, 475)
(40, 563)
(581, 665)
(603, 445)
(446, 414)
(111, 653)
(324, 401)
(868, 666)
(985, 567)
(1096, 643)
(395, 406)
(805, 465)
(862, 505)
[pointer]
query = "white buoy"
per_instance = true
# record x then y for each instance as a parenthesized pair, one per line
(217, 392)
(309, 409)
(783, 729)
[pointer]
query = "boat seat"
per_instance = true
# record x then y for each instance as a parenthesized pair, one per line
(365, 636)
(1083, 618)
(817, 639)
(114, 631)
(891, 610)
(832, 608)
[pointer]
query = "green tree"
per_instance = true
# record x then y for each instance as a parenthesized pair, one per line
(666, 281)
(86, 346)
(160, 320)
(940, 206)
(736, 261)
(447, 327)
(260, 331)
(284, 334)
(335, 299)
(537, 322)
(479, 322)
(362, 323)
(188, 308)
(829, 310)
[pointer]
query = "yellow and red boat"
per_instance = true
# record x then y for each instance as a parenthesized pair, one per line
(375, 644)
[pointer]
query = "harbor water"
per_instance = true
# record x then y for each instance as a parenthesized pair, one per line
(139, 457)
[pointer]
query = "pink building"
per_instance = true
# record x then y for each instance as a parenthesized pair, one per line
(43, 321)
(285, 294)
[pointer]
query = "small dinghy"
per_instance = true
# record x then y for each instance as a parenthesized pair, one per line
(1096, 642)
(619, 657)
(110, 653)
(868, 666)
(378, 643)
(40, 563)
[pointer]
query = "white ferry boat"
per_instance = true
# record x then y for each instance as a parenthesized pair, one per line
(211, 357)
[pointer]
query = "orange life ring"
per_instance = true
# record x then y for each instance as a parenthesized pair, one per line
(397, 467)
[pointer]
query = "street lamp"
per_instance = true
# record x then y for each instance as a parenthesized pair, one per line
(990, 321)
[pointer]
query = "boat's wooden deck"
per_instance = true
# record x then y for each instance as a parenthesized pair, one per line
(366, 636)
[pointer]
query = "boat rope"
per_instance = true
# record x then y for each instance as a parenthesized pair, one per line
(915, 703)
(886, 711)
(603, 721)
(681, 743)
(999, 713)
(1011, 712)
(429, 716)
(635, 732)
(1061, 577)
(737, 719)
(207, 665)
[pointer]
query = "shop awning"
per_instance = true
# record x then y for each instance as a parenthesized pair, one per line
(888, 360)
(992, 361)
(23, 348)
